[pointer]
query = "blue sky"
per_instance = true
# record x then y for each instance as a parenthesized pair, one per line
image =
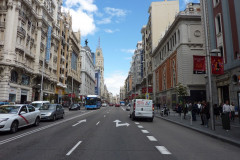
(118, 23)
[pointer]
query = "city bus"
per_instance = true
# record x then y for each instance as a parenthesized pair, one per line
(92, 102)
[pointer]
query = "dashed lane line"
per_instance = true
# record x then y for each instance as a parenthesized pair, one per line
(140, 126)
(163, 150)
(151, 138)
(145, 131)
(97, 123)
(137, 123)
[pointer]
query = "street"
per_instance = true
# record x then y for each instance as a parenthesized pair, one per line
(109, 134)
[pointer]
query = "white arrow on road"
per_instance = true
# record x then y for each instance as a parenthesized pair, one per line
(119, 125)
(84, 120)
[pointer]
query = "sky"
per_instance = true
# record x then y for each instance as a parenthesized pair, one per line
(117, 23)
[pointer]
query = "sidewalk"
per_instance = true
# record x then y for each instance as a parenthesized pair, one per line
(232, 136)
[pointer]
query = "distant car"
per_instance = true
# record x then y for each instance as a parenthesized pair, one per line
(104, 105)
(117, 105)
(3, 103)
(74, 107)
(110, 104)
(128, 107)
(38, 104)
(13, 117)
(51, 112)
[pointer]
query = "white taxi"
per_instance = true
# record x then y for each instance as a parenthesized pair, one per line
(13, 117)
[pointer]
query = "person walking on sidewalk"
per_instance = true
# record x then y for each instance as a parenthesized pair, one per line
(199, 107)
(201, 112)
(179, 109)
(194, 111)
(206, 114)
(185, 109)
(232, 107)
(225, 116)
(216, 111)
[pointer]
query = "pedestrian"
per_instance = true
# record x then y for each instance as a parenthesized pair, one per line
(179, 109)
(220, 108)
(194, 111)
(185, 109)
(232, 107)
(216, 111)
(225, 115)
(201, 112)
(199, 107)
(205, 114)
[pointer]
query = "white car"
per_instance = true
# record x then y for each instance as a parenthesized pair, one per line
(38, 104)
(13, 117)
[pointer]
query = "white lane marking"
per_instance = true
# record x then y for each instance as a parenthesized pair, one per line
(40, 129)
(145, 131)
(73, 148)
(140, 126)
(137, 123)
(151, 138)
(118, 125)
(98, 122)
(84, 120)
(104, 116)
(163, 150)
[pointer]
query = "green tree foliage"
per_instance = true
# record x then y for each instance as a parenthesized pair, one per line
(181, 91)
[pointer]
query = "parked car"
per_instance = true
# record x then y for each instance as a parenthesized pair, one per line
(74, 107)
(110, 104)
(13, 117)
(38, 104)
(104, 105)
(3, 103)
(128, 107)
(51, 111)
(117, 105)
(142, 108)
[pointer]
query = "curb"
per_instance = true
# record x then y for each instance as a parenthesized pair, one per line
(223, 138)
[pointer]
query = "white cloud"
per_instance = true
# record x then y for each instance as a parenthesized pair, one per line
(104, 21)
(114, 81)
(128, 50)
(82, 15)
(115, 12)
(111, 31)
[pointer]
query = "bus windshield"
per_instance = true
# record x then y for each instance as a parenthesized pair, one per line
(91, 101)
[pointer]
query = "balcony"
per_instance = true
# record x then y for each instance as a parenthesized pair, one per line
(21, 31)
(23, 15)
(29, 54)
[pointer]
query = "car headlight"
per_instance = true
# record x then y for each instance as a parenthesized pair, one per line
(48, 114)
(3, 119)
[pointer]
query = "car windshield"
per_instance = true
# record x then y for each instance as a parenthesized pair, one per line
(36, 105)
(91, 101)
(47, 107)
(73, 105)
(9, 109)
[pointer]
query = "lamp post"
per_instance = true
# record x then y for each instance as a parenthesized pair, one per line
(208, 66)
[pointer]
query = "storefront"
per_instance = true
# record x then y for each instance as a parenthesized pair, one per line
(12, 94)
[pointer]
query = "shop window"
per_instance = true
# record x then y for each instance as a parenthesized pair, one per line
(218, 24)
(14, 76)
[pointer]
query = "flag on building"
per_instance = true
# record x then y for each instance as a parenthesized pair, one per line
(199, 65)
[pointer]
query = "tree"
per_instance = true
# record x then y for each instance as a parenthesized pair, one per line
(181, 92)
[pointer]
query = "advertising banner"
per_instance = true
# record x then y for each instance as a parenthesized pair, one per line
(48, 44)
(199, 65)
(144, 90)
(217, 65)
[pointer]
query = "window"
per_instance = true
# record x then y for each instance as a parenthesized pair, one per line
(31, 109)
(215, 2)
(25, 79)
(14, 76)
(218, 24)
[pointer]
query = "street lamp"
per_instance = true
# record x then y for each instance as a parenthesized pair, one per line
(208, 56)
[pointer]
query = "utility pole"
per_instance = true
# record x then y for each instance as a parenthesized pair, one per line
(208, 56)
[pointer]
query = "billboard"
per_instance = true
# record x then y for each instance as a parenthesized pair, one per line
(199, 65)
(217, 65)
(48, 47)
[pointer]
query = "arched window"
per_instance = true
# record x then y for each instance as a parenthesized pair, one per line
(218, 24)
(173, 74)
(164, 78)
(14, 76)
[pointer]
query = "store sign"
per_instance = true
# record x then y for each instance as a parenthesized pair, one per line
(217, 65)
(12, 91)
(199, 65)
(24, 92)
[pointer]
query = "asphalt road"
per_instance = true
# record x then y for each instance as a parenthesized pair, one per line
(96, 135)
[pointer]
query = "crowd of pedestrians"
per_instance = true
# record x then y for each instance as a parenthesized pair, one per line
(224, 112)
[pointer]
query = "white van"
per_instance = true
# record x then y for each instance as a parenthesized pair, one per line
(142, 108)
(38, 104)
